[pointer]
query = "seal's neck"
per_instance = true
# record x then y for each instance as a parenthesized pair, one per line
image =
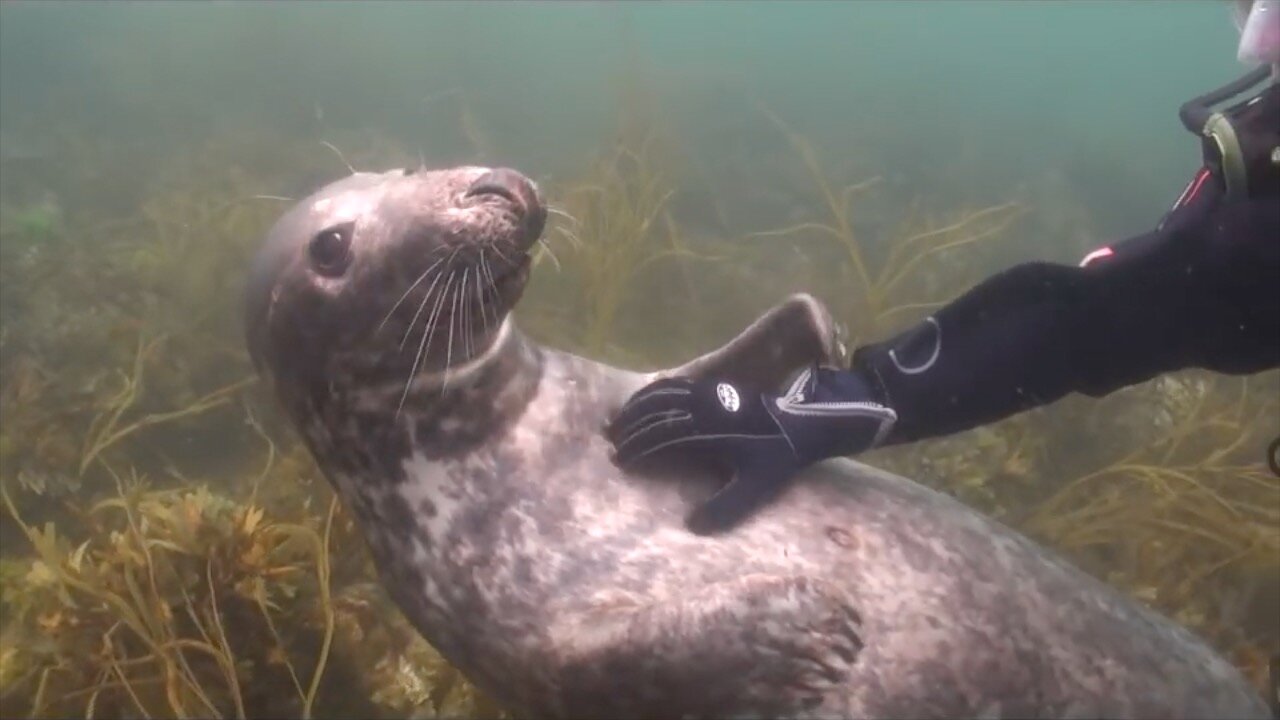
(431, 384)
(448, 413)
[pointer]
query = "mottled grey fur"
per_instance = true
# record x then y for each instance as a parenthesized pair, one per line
(564, 587)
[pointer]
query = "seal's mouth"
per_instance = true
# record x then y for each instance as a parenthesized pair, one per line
(519, 195)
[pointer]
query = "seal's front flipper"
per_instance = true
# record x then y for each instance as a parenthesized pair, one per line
(757, 646)
(797, 332)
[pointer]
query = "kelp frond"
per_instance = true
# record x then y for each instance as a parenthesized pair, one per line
(882, 286)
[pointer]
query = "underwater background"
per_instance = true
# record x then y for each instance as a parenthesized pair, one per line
(167, 547)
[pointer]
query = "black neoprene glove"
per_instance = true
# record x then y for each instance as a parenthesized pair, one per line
(760, 440)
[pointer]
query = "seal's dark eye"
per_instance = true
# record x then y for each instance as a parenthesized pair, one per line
(331, 250)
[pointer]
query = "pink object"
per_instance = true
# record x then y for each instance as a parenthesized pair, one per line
(1259, 32)
(1097, 255)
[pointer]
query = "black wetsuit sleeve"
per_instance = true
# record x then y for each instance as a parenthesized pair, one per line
(1202, 290)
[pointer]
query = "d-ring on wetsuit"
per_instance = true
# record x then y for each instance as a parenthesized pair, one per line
(1201, 290)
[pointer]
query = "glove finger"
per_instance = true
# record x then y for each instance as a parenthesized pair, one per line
(751, 487)
(621, 434)
(669, 431)
(663, 395)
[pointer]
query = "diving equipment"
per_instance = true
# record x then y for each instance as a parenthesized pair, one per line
(1215, 126)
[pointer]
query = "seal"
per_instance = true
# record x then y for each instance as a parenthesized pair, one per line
(379, 311)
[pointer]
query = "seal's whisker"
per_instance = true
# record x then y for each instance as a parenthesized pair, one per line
(414, 320)
(281, 198)
(471, 312)
(415, 284)
(547, 248)
(334, 148)
(486, 272)
(493, 290)
(569, 235)
(557, 211)
(448, 357)
(498, 251)
(479, 293)
(430, 330)
(483, 278)
(426, 297)
(425, 344)
(464, 322)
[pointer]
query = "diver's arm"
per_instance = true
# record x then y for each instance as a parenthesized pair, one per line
(1203, 290)
(1200, 290)
(1010, 344)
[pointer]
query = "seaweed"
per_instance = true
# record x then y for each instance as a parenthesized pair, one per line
(616, 212)
(183, 601)
(107, 430)
(134, 622)
(1186, 520)
(880, 290)
(619, 210)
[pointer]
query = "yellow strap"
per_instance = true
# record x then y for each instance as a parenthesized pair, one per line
(1219, 128)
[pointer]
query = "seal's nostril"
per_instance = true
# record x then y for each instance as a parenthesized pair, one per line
(519, 191)
(507, 184)
(481, 187)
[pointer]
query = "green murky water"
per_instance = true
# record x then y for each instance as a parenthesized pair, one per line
(138, 142)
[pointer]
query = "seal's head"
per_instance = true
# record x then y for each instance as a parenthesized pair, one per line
(379, 278)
